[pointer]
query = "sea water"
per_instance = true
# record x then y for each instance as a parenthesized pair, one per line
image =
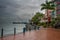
(9, 28)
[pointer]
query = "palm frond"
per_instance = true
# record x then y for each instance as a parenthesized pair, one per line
(43, 4)
(53, 5)
(48, 5)
(51, 1)
(47, 2)
(43, 8)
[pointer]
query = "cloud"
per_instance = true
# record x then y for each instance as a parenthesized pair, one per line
(18, 10)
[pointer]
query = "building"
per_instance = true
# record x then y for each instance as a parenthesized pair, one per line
(56, 12)
(57, 2)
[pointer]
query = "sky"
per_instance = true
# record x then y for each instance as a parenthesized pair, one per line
(18, 10)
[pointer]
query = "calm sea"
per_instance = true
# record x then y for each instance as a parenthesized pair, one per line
(9, 28)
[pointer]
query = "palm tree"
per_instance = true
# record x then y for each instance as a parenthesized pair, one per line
(48, 6)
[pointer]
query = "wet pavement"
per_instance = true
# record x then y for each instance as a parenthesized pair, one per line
(42, 34)
(53, 34)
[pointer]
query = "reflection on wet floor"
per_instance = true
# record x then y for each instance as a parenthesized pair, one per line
(42, 34)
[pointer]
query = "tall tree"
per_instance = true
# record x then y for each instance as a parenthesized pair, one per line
(48, 6)
(36, 18)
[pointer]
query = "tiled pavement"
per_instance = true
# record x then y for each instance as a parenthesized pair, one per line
(42, 34)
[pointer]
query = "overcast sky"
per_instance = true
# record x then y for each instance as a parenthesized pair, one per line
(18, 10)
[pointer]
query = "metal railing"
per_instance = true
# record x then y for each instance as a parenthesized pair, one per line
(2, 32)
(15, 31)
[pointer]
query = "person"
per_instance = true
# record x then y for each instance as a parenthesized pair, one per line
(38, 28)
(29, 29)
(24, 30)
(34, 27)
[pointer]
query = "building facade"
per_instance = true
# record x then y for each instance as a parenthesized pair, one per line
(56, 12)
(57, 2)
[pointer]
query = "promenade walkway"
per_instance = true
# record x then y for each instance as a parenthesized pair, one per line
(42, 34)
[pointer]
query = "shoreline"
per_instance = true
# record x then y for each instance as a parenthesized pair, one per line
(11, 34)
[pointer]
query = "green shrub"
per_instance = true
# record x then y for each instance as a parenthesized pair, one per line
(43, 24)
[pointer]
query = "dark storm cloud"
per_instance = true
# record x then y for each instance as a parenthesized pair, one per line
(18, 10)
(8, 9)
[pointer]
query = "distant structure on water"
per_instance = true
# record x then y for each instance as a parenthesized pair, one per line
(20, 22)
(28, 25)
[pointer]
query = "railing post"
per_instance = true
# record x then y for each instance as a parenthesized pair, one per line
(14, 31)
(2, 32)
